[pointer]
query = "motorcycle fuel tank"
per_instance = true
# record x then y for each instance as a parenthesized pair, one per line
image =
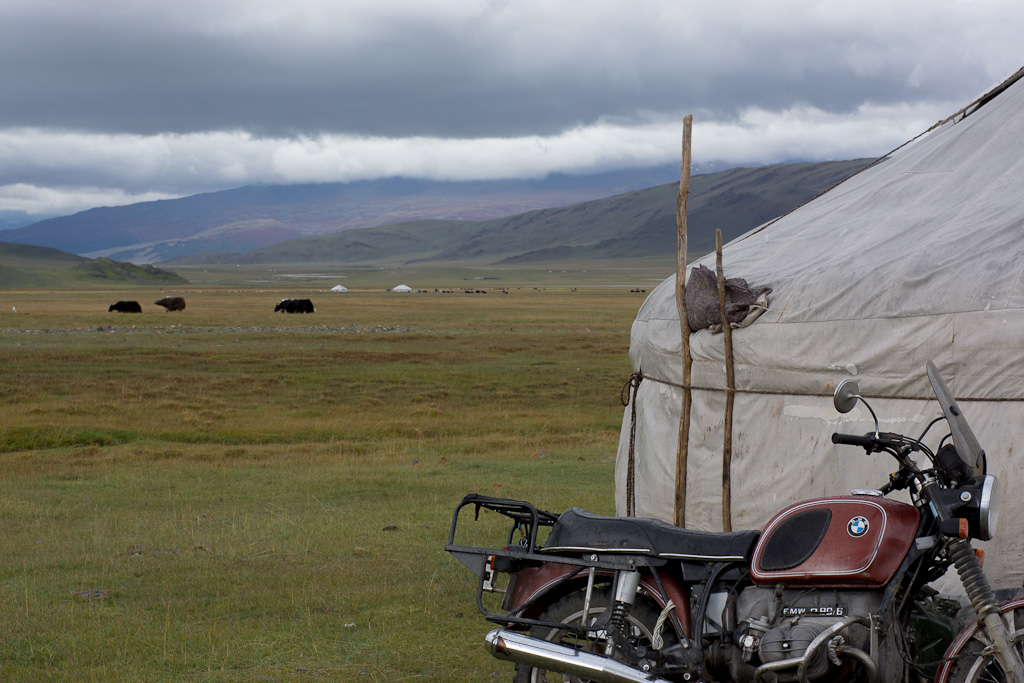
(838, 542)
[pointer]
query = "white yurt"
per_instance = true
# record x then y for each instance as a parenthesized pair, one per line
(339, 288)
(919, 257)
(402, 288)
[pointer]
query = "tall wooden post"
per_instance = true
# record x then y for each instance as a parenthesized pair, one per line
(730, 392)
(684, 326)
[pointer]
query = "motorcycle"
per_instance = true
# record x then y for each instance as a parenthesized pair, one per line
(833, 589)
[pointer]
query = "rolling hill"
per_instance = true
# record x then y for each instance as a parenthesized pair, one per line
(634, 224)
(23, 265)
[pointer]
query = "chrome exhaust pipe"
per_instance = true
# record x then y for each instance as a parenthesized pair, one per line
(513, 646)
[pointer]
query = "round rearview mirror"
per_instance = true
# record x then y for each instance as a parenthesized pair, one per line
(846, 396)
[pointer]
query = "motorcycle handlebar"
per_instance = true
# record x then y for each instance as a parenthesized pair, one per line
(866, 440)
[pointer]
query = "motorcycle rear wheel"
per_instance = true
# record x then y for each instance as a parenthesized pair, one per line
(972, 665)
(642, 618)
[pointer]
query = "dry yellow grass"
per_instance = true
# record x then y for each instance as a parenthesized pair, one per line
(229, 494)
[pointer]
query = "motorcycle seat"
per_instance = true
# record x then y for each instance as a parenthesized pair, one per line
(578, 531)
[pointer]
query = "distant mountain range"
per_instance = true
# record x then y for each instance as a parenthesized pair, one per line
(612, 215)
(629, 225)
(8, 220)
(260, 215)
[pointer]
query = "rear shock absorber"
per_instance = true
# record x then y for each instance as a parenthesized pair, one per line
(625, 595)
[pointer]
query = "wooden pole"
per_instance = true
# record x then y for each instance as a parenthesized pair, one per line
(684, 326)
(730, 393)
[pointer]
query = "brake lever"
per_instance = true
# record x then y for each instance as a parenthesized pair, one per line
(898, 481)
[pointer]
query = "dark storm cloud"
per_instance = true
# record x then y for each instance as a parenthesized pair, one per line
(107, 101)
(128, 67)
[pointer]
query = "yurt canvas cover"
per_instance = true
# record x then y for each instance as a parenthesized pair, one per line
(918, 257)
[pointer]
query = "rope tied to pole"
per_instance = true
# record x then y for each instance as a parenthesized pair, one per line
(631, 386)
(819, 394)
(628, 392)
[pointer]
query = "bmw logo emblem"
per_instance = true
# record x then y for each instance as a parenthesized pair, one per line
(857, 527)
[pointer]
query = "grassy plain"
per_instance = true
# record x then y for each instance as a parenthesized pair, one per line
(230, 494)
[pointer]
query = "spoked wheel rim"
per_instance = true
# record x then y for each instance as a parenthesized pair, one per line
(985, 669)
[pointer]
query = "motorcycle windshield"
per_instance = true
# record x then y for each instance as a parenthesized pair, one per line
(966, 444)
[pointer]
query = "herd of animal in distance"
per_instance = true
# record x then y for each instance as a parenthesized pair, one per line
(177, 303)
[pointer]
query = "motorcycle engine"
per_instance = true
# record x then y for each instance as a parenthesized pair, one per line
(775, 625)
(788, 641)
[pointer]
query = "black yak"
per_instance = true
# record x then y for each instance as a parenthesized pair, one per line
(126, 307)
(172, 303)
(295, 306)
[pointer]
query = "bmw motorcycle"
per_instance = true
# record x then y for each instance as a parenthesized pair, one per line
(832, 589)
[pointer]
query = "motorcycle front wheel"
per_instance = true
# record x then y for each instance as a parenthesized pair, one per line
(971, 664)
(641, 621)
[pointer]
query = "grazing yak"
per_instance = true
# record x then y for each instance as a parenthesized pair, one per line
(295, 306)
(172, 303)
(126, 307)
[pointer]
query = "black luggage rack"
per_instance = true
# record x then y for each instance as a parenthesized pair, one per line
(527, 521)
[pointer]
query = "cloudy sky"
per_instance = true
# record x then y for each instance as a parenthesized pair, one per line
(106, 102)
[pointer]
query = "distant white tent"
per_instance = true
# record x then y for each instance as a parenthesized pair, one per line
(919, 257)
(339, 288)
(402, 288)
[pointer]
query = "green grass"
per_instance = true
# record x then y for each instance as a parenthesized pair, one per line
(229, 494)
